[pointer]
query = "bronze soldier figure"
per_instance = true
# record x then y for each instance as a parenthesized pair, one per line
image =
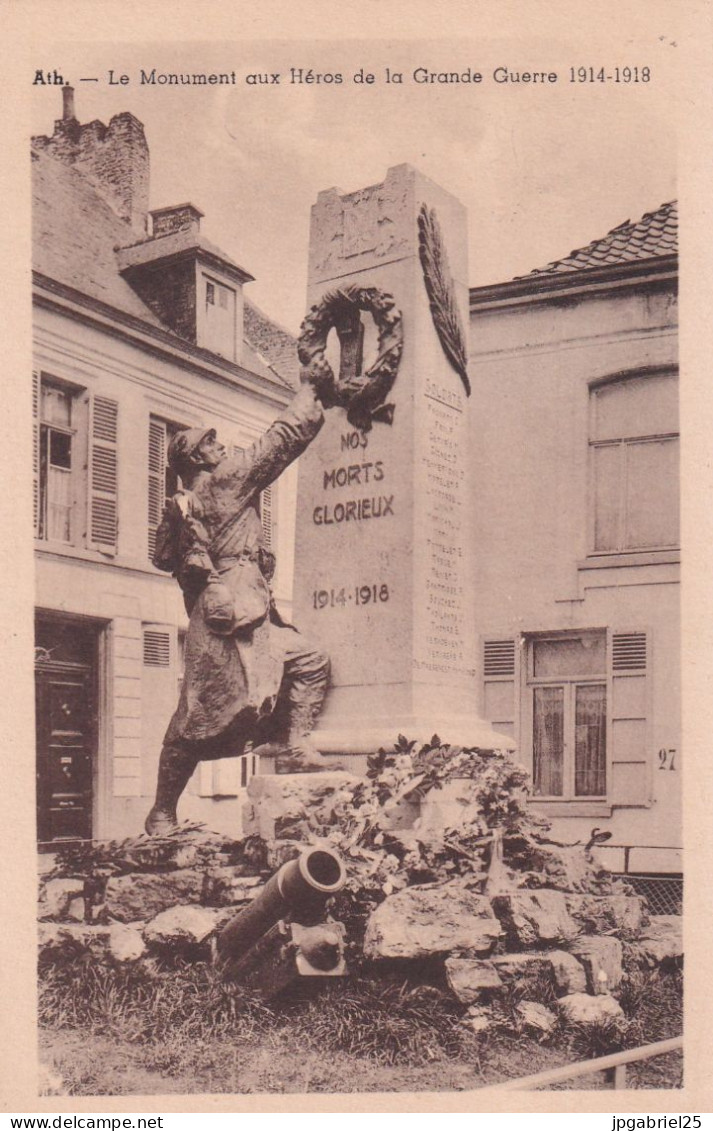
(248, 675)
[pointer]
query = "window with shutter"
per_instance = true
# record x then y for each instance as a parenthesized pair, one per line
(585, 716)
(631, 780)
(59, 430)
(567, 702)
(266, 499)
(499, 701)
(267, 508)
(157, 479)
(162, 481)
(103, 475)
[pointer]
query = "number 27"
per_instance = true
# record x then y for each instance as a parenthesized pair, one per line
(667, 759)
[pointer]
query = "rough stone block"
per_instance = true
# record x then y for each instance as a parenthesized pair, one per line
(225, 887)
(569, 975)
(534, 917)
(277, 804)
(600, 955)
(431, 919)
(587, 1009)
(662, 941)
(71, 937)
(126, 943)
(536, 1017)
(625, 915)
(471, 979)
(142, 896)
(565, 973)
(57, 897)
(180, 927)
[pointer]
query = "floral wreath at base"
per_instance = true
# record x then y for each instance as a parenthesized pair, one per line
(364, 394)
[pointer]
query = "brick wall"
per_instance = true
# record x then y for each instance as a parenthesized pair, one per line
(170, 291)
(115, 158)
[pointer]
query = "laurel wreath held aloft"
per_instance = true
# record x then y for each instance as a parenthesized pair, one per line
(441, 293)
(362, 394)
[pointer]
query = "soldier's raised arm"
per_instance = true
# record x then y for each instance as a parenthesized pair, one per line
(286, 438)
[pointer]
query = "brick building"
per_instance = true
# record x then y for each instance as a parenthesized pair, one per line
(140, 328)
(574, 369)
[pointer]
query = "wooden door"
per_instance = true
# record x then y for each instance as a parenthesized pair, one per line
(65, 744)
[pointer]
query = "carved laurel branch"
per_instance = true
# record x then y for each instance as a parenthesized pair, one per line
(441, 292)
(363, 394)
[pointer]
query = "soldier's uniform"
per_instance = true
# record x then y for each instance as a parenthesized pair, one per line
(248, 675)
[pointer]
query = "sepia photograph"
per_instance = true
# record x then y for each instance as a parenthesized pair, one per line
(357, 628)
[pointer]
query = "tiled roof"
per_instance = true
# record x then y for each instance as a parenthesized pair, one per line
(75, 234)
(149, 250)
(654, 235)
(276, 345)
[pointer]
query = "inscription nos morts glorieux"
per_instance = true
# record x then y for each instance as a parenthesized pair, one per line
(354, 510)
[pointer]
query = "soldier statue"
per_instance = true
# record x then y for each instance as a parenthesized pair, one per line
(249, 676)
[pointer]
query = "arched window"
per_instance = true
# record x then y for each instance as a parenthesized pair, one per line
(635, 463)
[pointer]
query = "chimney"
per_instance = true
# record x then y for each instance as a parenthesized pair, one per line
(177, 218)
(113, 158)
(68, 104)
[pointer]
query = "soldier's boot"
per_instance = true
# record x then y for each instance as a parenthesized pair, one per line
(300, 755)
(175, 769)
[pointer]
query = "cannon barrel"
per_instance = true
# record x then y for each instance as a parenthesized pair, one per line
(299, 889)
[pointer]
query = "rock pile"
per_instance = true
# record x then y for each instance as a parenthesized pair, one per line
(494, 904)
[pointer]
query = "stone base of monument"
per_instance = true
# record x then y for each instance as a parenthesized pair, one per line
(365, 736)
(350, 742)
(277, 805)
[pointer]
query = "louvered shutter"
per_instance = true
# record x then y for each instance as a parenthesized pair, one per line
(157, 648)
(266, 516)
(499, 706)
(36, 452)
(157, 480)
(103, 475)
(630, 776)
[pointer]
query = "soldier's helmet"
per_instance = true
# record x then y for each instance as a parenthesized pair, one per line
(183, 444)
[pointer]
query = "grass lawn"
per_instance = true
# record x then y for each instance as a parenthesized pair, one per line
(183, 1031)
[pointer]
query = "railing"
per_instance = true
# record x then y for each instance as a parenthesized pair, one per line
(614, 1065)
(663, 890)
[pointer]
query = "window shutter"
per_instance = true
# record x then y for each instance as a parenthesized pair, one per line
(629, 651)
(36, 452)
(498, 658)
(157, 480)
(157, 648)
(630, 757)
(103, 475)
(499, 684)
(266, 516)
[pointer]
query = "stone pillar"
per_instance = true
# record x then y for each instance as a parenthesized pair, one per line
(384, 575)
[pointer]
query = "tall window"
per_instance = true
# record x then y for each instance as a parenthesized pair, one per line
(56, 439)
(75, 465)
(635, 473)
(220, 318)
(568, 689)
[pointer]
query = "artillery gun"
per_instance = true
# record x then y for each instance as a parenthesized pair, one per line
(284, 934)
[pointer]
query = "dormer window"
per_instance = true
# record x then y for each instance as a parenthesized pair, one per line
(220, 322)
(189, 283)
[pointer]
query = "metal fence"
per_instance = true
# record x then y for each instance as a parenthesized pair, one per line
(664, 894)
